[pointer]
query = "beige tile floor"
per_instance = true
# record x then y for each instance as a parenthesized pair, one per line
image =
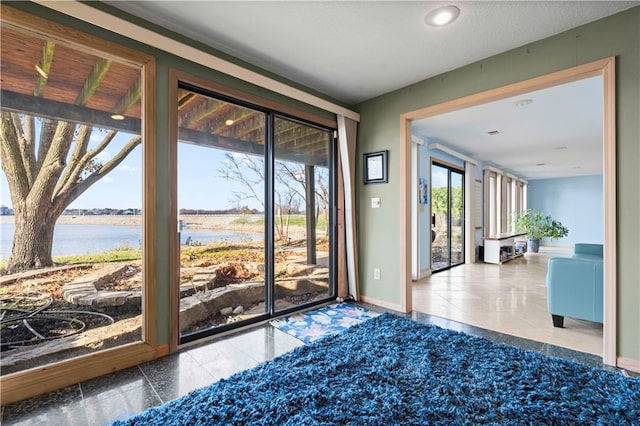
(510, 298)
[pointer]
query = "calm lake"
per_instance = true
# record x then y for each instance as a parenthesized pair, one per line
(84, 239)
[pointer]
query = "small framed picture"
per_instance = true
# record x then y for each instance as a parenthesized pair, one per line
(375, 167)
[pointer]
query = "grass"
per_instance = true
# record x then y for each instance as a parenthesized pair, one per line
(190, 256)
(294, 220)
(116, 255)
(215, 253)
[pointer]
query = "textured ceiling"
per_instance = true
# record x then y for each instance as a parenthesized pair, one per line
(357, 50)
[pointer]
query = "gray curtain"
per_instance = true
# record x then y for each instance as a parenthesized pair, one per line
(347, 131)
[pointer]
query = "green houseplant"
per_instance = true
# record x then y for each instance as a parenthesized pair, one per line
(538, 225)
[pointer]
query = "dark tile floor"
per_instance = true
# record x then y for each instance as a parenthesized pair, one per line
(124, 393)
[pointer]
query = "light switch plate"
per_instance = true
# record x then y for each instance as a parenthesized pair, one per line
(375, 203)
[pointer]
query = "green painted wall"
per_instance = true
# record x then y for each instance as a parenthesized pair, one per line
(164, 62)
(379, 230)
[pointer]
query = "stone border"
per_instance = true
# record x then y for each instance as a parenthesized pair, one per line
(83, 292)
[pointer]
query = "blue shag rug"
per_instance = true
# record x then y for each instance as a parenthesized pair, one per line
(390, 370)
(319, 323)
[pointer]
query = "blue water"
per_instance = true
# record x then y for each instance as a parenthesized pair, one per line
(85, 239)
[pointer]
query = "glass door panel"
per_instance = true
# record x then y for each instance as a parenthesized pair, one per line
(302, 191)
(447, 217)
(456, 209)
(221, 213)
(440, 251)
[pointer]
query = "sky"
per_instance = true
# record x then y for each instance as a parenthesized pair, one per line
(200, 184)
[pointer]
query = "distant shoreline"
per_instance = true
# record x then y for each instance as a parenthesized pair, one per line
(89, 220)
(215, 222)
(195, 221)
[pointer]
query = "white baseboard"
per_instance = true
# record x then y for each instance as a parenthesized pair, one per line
(629, 364)
(424, 273)
(381, 303)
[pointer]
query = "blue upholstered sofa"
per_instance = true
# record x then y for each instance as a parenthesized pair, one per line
(574, 285)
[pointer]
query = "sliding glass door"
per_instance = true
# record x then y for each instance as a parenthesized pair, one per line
(221, 212)
(302, 198)
(447, 216)
(254, 192)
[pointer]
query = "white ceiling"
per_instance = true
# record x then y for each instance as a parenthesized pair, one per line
(358, 50)
(559, 134)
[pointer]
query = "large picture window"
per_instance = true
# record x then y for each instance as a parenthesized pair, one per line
(505, 196)
(73, 260)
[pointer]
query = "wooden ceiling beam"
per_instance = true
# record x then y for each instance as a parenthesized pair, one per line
(195, 137)
(185, 99)
(40, 107)
(199, 113)
(45, 66)
(245, 125)
(129, 99)
(93, 80)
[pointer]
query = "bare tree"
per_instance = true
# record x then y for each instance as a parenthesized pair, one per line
(45, 175)
(247, 170)
(290, 188)
(293, 176)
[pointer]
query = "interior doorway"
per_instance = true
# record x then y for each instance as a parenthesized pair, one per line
(603, 68)
(447, 216)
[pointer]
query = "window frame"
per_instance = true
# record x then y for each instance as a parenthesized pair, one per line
(273, 109)
(504, 196)
(27, 383)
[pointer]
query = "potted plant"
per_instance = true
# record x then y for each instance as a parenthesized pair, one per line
(538, 225)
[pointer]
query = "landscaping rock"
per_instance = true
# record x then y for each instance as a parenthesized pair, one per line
(238, 310)
(192, 310)
(201, 306)
(204, 279)
(226, 311)
(83, 291)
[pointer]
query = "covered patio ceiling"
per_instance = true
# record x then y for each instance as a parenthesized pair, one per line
(56, 80)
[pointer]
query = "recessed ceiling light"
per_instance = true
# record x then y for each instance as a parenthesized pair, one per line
(442, 16)
(540, 164)
(522, 103)
(229, 122)
(494, 132)
(118, 117)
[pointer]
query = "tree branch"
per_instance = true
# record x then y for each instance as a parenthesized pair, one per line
(27, 148)
(70, 194)
(41, 192)
(233, 171)
(12, 164)
(47, 130)
(287, 175)
(75, 167)
(82, 164)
